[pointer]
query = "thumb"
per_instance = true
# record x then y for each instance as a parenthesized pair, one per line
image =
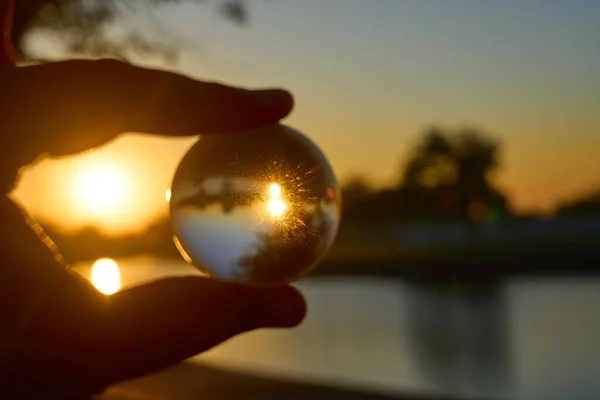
(157, 325)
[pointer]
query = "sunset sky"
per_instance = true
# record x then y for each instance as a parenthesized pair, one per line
(368, 77)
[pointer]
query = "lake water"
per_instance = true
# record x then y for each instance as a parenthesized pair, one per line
(529, 339)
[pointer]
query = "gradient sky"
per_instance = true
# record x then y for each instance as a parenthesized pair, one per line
(370, 76)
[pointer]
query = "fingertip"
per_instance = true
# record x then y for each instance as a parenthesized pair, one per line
(285, 310)
(276, 100)
(258, 108)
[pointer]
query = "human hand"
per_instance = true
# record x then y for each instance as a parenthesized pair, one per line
(59, 337)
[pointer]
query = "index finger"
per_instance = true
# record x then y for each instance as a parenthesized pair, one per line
(70, 106)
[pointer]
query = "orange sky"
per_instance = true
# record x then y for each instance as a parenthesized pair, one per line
(368, 80)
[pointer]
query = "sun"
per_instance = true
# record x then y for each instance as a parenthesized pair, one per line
(100, 188)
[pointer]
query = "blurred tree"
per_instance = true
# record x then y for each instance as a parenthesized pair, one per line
(433, 163)
(82, 25)
(448, 173)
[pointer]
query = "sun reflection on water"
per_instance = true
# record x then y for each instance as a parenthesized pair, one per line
(106, 276)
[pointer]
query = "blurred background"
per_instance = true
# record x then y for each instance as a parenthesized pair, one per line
(464, 135)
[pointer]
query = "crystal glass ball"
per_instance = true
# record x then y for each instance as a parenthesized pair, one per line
(257, 208)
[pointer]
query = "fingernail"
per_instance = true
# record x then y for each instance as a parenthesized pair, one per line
(275, 98)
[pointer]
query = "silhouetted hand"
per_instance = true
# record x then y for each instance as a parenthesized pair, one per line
(59, 337)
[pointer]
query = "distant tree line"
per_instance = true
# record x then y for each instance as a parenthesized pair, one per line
(586, 205)
(448, 175)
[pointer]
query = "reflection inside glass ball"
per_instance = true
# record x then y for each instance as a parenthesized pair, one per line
(258, 208)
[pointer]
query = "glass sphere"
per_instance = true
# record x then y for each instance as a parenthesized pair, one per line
(257, 208)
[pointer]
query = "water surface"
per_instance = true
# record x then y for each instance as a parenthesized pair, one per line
(529, 339)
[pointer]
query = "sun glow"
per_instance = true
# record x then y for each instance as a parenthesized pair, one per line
(100, 188)
(106, 276)
(275, 205)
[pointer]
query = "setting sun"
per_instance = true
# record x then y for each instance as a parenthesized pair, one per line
(100, 189)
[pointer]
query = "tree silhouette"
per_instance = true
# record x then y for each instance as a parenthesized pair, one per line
(433, 163)
(81, 25)
(449, 173)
